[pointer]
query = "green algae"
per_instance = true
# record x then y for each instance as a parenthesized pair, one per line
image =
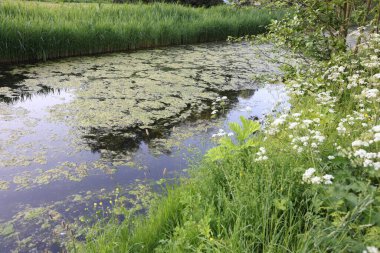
(117, 99)
(136, 94)
(23, 180)
(176, 78)
(4, 185)
(34, 213)
(64, 171)
(54, 222)
(6, 229)
(112, 104)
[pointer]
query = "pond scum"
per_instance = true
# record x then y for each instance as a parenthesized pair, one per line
(307, 182)
(32, 31)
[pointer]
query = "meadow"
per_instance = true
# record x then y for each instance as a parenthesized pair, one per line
(34, 31)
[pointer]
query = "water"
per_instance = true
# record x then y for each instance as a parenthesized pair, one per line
(71, 131)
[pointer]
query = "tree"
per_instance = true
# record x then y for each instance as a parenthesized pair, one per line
(319, 28)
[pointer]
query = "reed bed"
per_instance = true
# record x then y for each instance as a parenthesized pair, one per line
(33, 31)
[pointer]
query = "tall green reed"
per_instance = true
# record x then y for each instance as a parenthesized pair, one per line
(33, 31)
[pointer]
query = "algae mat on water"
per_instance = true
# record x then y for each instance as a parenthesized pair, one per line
(74, 127)
(110, 104)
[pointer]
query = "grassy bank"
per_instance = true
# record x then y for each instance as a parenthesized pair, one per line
(308, 182)
(32, 31)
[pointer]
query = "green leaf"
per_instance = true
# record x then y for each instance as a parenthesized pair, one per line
(216, 153)
(280, 203)
(238, 131)
(247, 129)
(227, 143)
(250, 143)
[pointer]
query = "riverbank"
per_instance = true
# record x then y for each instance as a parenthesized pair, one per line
(307, 182)
(38, 31)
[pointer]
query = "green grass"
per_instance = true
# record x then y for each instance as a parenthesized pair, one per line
(71, 1)
(32, 31)
(224, 207)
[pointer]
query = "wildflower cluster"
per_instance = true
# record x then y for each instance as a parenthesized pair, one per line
(261, 155)
(310, 177)
(349, 84)
(366, 158)
(218, 105)
(334, 129)
(222, 133)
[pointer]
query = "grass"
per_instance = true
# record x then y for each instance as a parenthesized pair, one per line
(33, 31)
(238, 201)
(229, 206)
(72, 1)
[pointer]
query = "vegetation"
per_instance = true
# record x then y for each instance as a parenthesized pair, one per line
(196, 3)
(32, 31)
(307, 182)
(320, 28)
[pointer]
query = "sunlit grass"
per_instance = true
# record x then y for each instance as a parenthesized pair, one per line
(38, 31)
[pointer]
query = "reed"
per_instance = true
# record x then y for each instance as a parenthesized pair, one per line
(34, 31)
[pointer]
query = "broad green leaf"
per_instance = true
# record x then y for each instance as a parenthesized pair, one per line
(216, 153)
(227, 143)
(250, 143)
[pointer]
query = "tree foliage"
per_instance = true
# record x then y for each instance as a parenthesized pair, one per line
(320, 28)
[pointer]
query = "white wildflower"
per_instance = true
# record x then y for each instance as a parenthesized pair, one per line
(371, 249)
(220, 133)
(360, 153)
(376, 128)
(370, 93)
(376, 137)
(296, 115)
(341, 129)
(308, 174)
(315, 180)
(307, 122)
(359, 143)
(367, 163)
(278, 122)
(327, 179)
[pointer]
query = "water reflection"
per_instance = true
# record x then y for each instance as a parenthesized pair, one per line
(73, 130)
(20, 95)
(121, 141)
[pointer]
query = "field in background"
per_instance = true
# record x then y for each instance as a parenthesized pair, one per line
(33, 31)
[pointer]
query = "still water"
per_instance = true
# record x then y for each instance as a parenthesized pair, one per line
(72, 131)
